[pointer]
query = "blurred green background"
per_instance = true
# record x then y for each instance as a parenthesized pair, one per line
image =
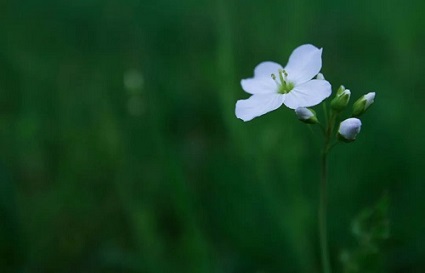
(120, 151)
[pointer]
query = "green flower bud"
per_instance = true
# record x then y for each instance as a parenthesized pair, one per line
(306, 115)
(340, 90)
(341, 99)
(362, 104)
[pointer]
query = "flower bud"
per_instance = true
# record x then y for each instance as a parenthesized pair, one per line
(340, 90)
(362, 104)
(306, 115)
(320, 76)
(341, 99)
(348, 129)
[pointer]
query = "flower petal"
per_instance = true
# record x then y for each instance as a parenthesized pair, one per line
(262, 81)
(258, 105)
(265, 69)
(304, 63)
(260, 85)
(370, 98)
(308, 94)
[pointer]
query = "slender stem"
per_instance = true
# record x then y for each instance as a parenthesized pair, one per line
(322, 214)
(325, 111)
(333, 145)
(323, 237)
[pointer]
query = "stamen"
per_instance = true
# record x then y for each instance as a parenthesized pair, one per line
(282, 78)
(274, 78)
(283, 86)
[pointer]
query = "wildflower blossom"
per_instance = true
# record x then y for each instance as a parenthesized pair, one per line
(294, 86)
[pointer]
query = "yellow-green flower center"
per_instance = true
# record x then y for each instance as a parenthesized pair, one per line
(283, 86)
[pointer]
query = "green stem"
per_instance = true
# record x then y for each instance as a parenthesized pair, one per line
(322, 214)
(325, 111)
(323, 237)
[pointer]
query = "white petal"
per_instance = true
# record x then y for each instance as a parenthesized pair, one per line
(304, 63)
(370, 98)
(308, 94)
(259, 85)
(258, 105)
(266, 69)
(262, 81)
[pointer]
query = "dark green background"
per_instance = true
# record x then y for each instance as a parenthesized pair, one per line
(120, 151)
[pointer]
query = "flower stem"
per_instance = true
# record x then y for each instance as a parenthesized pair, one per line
(322, 214)
(323, 237)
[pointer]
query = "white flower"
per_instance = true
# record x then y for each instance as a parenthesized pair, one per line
(293, 85)
(349, 128)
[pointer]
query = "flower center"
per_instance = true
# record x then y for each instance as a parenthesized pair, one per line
(283, 86)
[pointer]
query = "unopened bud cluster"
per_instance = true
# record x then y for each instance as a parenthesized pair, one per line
(349, 128)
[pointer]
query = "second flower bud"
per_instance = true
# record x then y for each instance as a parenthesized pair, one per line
(341, 99)
(306, 115)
